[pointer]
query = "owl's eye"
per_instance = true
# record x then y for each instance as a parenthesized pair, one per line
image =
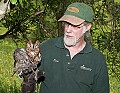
(30, 45)
(36, 46)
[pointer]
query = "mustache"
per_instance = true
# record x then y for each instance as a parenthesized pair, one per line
(67, 34)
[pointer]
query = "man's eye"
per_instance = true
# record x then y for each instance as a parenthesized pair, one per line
(79, 27)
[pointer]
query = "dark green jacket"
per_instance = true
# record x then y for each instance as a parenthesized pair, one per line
(85, 73)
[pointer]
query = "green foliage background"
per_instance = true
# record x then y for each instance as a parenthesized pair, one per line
(37, 20)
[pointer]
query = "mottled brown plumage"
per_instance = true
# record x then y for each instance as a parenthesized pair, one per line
(25, 65)
(33, 52)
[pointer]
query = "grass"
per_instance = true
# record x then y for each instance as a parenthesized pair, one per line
(9, 84)
(114, 85)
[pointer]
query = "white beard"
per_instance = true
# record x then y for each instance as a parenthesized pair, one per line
(73, 41)
(70, 42)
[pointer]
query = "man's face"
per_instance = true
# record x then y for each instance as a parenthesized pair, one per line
(73, 34)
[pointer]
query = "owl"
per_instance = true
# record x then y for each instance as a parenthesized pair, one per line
(21, 61)
(25, 65)
(26, 57)
(33, 52)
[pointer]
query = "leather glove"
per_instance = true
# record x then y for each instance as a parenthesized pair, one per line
(40, 76)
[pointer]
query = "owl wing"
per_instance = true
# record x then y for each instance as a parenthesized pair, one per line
(21, 60)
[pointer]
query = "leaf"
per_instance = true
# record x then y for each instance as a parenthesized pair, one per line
(21, 3)
(13, 1)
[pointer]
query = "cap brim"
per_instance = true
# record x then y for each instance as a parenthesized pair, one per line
(71, 19)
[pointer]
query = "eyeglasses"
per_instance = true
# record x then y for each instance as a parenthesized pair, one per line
(66, 24)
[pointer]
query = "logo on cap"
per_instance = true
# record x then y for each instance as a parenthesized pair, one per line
(73, 9)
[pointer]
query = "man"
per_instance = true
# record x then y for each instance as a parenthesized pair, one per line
(70, 63)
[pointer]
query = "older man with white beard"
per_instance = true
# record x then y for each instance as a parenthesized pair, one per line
(71, 64)
(70, 39)
(74, 37)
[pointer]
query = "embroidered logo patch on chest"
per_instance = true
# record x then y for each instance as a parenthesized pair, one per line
(55, 60)
(85, 68)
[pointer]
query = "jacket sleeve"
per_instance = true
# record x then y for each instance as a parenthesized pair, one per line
(41, 72)
(101, 79)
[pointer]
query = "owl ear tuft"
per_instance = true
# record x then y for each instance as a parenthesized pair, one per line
(28, 44)
(37, 42)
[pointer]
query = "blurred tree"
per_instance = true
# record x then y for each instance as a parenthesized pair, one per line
(37, 19)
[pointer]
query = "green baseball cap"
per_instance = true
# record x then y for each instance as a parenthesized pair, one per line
(76, 13)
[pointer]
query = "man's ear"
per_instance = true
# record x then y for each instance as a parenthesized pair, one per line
(88, 26)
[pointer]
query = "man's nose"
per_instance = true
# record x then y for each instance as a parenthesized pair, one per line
(69, 29)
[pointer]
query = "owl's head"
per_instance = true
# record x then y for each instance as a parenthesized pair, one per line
(32, 45)
(32, 49)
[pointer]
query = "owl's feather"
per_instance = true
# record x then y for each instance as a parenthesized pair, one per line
(21, 60)
(33, 52)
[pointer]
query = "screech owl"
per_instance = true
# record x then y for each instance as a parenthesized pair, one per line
(26, 57)
(25, 65)
(33, 52)
(21, 60)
